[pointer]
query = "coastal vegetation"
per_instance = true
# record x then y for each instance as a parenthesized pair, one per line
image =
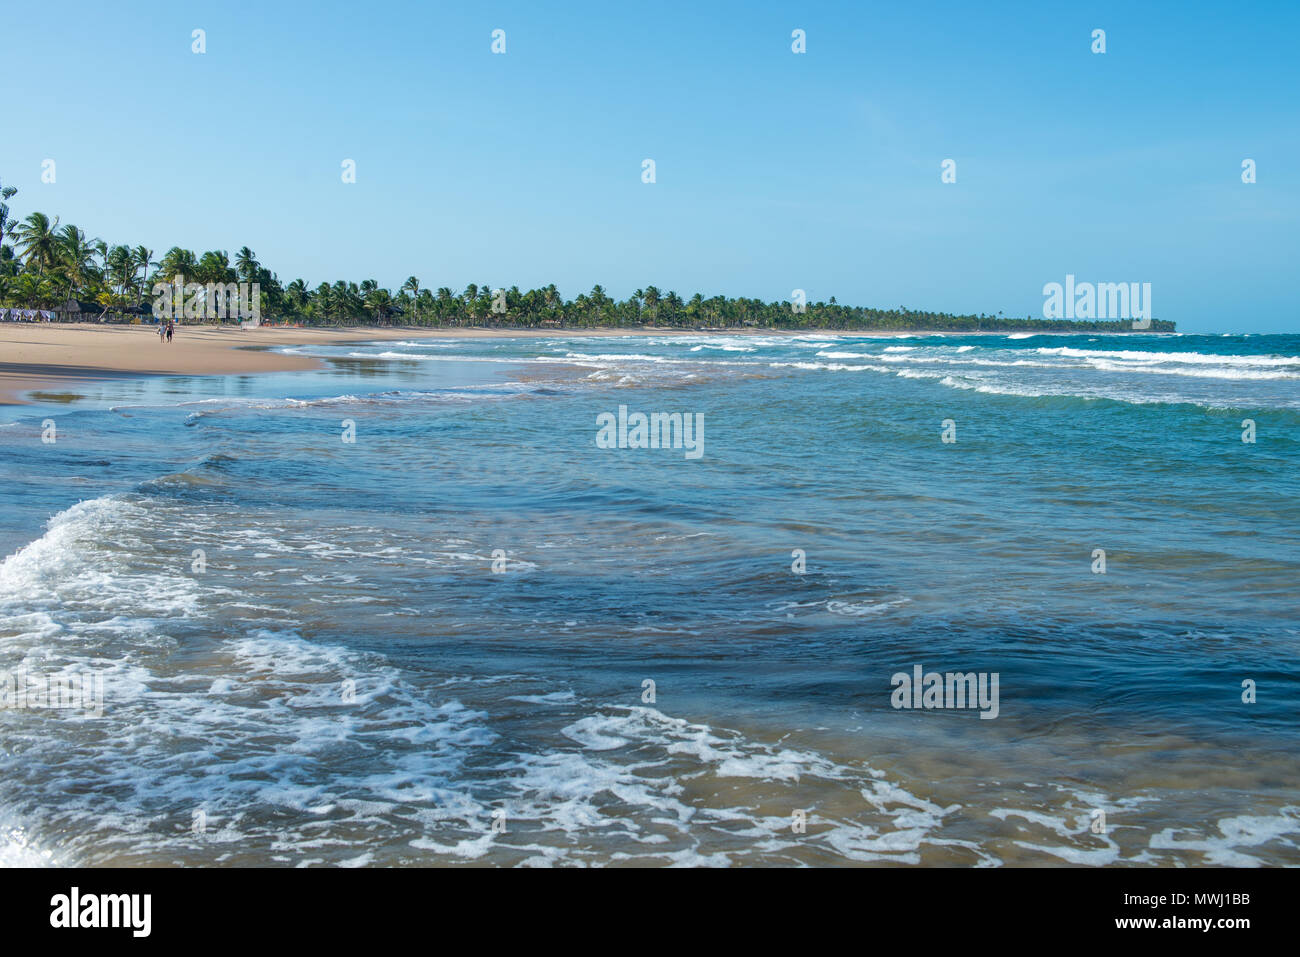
(45, 264)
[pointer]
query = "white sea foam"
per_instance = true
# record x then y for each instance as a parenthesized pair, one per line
(17, 850)
(891, 823)
(232, 726)
(553, 697)
(422, 357)
(1194, 358)
(1193, 372)
(828, 366)
(417, 343)
(1236, 834)
(859, 609)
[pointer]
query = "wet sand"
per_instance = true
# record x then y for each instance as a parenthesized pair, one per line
(53, 356)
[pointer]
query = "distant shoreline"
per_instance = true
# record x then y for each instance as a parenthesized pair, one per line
(57, 356)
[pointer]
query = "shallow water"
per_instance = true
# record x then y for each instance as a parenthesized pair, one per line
(347, 680)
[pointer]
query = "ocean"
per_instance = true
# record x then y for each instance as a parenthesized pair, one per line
(435, 605)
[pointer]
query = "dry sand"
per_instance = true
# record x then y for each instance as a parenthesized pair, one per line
(54, 356)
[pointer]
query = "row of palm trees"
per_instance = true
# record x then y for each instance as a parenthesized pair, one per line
(61, 262)
(44, 264)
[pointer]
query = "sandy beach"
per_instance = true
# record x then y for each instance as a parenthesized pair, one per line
(47, 356)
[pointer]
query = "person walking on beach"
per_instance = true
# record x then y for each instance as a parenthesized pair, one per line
(162, 331)
(170, 329)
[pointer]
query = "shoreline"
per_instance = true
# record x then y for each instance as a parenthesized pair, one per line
(43, 357)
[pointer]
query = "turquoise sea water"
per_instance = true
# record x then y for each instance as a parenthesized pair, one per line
(348, 679)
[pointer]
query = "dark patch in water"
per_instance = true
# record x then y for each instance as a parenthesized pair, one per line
(61, 397)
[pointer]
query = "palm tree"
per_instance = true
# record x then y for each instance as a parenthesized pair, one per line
(296, 296)
(378, 301)
(5, 193)
(412, 285)
(142, 259)
(177, 262)
(78, 254)
(446, 304)
(324, 300)
(425, 302)
(651, 295)
(214, 267)
(38, 241)
(117, 261)
(246, 265)
(598, 301)
(345, 301)
(469, 297)
(101, 248)
(32, 289)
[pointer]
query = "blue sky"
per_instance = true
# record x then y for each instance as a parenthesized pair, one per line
(774, 170)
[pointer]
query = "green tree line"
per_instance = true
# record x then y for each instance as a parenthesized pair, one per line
(44, 264)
